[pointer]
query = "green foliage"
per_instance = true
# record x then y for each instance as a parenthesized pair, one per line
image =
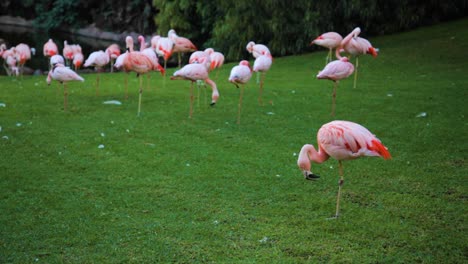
(168, 189)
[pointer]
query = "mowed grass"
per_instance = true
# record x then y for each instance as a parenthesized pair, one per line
(166, 188)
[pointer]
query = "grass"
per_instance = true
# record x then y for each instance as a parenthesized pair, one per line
(168, 189)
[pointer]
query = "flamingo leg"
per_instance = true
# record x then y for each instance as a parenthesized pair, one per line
(65, 96)
(356, 72)
(139, 96)
(97, 84)
(180, 59)
(191, 100)
(260, 102)
(240, 104)
(334, 98)
(198, 94)
(340, 184)
(126, 86)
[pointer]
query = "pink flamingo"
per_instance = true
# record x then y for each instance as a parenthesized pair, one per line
(163, 47)
(23, 54)
(63, 75)
(195, 72)
(97, 59)
(216, 59)
(335, 71)
(137, 62)
(257, 49)
(113, 50)
(341, 140)
(261, 65)
(181, 44)
(67, 52)
(150, 53)
(50, 49)
(78, 59)
(328, 40)
(356, 46)
(240, 75)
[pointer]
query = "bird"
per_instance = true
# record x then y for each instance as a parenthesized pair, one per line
(356, 46)
(330, 40)
(50, 49)
(341, 140)
(67, 52)
(256, 49)
(163, 47)
(113, 50)
(97, 59)
(78, 59)
(195, 72)
(63, 75)
(181, 44)
(261, 65)
(336, 71)
(151, 54)
(240, 75)
(57, 59)
(137, 62)
(216, 59)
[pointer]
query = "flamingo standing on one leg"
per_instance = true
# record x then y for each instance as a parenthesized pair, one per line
(257, 50)
(335, 71)
(240, 75)
(23, 54)
(262, 64)
(356, 46)
(139, 63)
(193, 73)
(97, 59)
(216, 59)
(181, 44)
(328, 40)
(67, 52)
(163, 47)
(63, 75)
(50, 49)
(78, 59)
(151, 54)
(113, 50)
(341, 140)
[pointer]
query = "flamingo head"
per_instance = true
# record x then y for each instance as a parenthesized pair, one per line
(303, 162)
(249, 46)
(318, 38)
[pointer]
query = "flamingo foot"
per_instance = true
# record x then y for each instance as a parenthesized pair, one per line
(310, 176)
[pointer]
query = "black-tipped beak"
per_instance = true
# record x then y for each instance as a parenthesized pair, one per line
(310, 176)
(213, 104)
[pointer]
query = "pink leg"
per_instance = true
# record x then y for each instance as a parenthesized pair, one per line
(340, 184)
(191, 100)
(65, 96)
(240, 104)
(334, 98)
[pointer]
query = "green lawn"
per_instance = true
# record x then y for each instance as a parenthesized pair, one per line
(165, 188)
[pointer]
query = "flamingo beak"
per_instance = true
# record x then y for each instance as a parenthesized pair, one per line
(310, 176)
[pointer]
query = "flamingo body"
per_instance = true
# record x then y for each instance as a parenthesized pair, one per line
(328, 40)
(262, 63)
(240, 74)
(62, 74)
(50, 48)
(337, 70)
(97, 59)
(181, 44)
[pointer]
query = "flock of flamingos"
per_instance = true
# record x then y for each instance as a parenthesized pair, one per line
(341, 140)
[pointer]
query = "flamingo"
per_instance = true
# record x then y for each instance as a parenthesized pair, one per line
(23, 54)
(181, 44)
(335, 71)
(56, 59)
(113, 50)
(330, 40)
(356, 46)
(195, 72)
(163, 47)
(67, 52)
(78, 59)
(137, 62)
(262, 64)
(216, 59)
(341, 140)
(50, 49)
(240, 75)
(257, 49)
(151, 54)
(97, 59)
(63, 75)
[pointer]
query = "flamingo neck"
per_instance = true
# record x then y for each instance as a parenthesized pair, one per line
(214, 88)
(308, 154)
